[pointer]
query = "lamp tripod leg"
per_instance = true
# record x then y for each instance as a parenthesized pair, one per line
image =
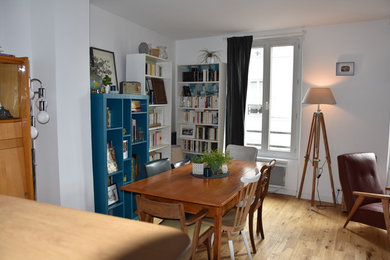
(324, 135)
(308, 150)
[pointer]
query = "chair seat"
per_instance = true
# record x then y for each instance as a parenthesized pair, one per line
(227, 219)
(191, 228)
(371, 214)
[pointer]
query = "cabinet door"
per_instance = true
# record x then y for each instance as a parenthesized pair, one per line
(16, 177)
(13, 182)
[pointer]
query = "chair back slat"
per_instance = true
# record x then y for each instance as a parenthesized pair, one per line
(263, 184)
(148, 209)
(245, 196)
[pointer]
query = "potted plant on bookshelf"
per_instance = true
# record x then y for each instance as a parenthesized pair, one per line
(106, 81)
(216, 159)
(207, 56)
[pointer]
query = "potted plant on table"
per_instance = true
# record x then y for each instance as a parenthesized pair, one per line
(197, 165)
(216, 159)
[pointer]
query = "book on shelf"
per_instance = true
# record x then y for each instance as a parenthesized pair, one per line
(135, 106)
(135, 167)
(112, 165)
(200, 117)
(207, 101)
(196, 146)
(155, 117)
(187, 91)
(134, 129)
(159, 91)
(198, 75)
(155, 139)
(153, 69)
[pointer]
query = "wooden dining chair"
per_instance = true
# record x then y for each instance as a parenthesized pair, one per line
(235, 219)
(157, 166)
(242, 153)
(261, 192)
(173, 215)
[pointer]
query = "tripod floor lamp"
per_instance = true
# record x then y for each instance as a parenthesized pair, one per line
(317, 96)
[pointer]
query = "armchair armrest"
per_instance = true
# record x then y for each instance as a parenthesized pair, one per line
(371, 195)
(195, 218)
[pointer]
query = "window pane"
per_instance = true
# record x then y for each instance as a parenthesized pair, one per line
(254, 99)
(281, 91)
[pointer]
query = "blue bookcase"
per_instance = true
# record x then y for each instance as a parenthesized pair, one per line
(119, 149)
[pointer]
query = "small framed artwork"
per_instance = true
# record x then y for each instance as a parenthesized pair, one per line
(112, 194)
(187, 131)
(345, 68)
(102, 63)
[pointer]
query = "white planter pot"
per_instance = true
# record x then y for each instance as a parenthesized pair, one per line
(224, 168)
(197, 168)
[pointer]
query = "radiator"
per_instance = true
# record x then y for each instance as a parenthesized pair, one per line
(278, 174)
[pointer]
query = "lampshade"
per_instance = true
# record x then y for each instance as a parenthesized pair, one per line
(319, 96)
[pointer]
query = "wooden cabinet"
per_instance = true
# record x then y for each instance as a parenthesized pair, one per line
(119, 149)
(201, 91)
(148, 69)
(16, 178)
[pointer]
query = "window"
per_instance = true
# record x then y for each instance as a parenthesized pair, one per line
(273, 97)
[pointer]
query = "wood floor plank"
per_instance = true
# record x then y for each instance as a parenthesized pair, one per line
(293, 231)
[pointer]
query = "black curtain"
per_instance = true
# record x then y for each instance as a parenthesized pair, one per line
(238, 56)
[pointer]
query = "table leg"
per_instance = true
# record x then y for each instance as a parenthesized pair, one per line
(217, 235)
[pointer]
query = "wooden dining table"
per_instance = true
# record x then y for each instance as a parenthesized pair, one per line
(217, 195)
(35, 230)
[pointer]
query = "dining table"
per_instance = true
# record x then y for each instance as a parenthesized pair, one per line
(216, 194)
(36, 230)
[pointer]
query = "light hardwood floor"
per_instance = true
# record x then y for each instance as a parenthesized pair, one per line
(293, 231)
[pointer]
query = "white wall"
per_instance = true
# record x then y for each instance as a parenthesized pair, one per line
(15, 33)
(360, 119)
(55, 36)
(114, 33)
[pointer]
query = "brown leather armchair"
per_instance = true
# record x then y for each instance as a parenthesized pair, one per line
(364, 195)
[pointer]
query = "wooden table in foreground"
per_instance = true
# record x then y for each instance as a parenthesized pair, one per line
(33, 230)
(216, 195)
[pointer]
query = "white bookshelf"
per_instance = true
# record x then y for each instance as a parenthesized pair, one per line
(204, 111)
(141, 67)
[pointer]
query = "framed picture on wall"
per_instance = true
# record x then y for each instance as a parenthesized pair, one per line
(345, 68)
(187, 131)
(102, 64)
(112, 194)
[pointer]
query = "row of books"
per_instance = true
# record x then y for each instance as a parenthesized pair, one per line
(197, 74)
(199, 101)
(155, 139)
(156, 91)
(197, 146)
(137, 132)
(155, 117)
(155, 156)
(206, 133)
(153, 69)
(198, 117)
(135, 169)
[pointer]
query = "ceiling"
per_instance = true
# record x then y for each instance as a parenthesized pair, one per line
(184, 19)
